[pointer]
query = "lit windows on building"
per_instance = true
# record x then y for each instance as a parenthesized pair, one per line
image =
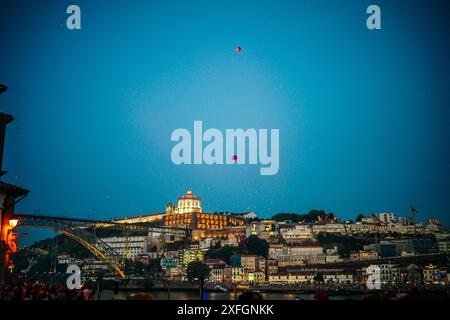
(191, 255)
(189, 214)
(263, 229)
(434, 275)
(238, 274)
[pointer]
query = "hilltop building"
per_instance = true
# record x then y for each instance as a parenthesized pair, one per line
(189, 214)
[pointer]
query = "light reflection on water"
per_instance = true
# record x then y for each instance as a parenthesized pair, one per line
(191, 295)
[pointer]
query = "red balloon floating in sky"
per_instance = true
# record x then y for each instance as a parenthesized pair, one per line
(238, 49)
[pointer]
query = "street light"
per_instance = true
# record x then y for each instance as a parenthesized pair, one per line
(13, 223)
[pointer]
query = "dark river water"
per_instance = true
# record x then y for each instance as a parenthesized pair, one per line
(190, 295)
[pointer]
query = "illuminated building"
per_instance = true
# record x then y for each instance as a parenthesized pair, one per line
(292, 277)
(142, 219)
(231, 241)
(272, 266)
(227, 274)
(189, 214)
(362, 255)
(328, 228)
(128, 247)
(246, 215)
(387, 217)
(298, 255)
(253, 263)
(217, 274)
(238, 274)
(169, 262)
(355, 228)
(370, 220)
(190, 255)
(404, 221)
(207, 243)
(263, 229)
(433, 274)
(256, 277)
(255, 266)
(337, 276)
(189, 203)
(389, 273)
(296, 233)
(93, 266)
(444, 246)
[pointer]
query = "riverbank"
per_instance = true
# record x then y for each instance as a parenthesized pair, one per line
(210, 295)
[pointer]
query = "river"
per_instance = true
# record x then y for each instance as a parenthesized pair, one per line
(194, 295)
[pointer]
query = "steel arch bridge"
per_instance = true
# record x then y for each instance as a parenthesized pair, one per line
(78, 230)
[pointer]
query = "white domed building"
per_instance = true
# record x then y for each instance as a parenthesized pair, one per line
(189, 214)
(189, 203)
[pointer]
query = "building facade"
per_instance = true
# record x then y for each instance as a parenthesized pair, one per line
(189, 214)
(263, 229)
(128, 247)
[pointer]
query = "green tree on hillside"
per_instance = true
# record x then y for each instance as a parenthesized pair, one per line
(318, 278)
(197, 270)
(223, 253)
(311, 216)
(255, 245)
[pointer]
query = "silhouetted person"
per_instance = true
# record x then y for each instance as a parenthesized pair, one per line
(321, 295)
(116, 287)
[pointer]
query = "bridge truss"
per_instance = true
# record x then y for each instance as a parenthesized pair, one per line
(80, 231)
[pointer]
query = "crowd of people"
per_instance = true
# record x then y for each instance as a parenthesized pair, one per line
(39, 291)
(415, 294)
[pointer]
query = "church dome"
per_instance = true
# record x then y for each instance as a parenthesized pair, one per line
(189, 195)
(189, 203)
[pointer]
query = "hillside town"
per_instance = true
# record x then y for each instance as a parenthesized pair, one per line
(294, 250)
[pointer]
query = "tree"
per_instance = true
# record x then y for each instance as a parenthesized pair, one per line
(139, 268)
(255, 245)
(134, 267)
(318, 278)
(197, 270)
(359, 217)
(128, 266)
(154, 266)
(223, 253)
(346, 244)
(177, 245)
(311, 216)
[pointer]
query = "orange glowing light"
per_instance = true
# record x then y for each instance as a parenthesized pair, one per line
(13, 223)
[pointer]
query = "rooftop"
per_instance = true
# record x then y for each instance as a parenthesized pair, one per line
(189, 195)
(13, 190)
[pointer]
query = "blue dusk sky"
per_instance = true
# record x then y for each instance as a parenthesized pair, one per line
(363, 115)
